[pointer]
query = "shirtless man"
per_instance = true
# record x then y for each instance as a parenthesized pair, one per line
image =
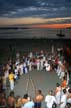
(24, 99)
(11, 100)
(38, 99)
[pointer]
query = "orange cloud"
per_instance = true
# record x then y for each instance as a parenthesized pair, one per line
(37, 22)
(52, 26)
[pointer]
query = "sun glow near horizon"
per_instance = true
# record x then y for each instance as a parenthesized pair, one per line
(36, 22)
(52, 26)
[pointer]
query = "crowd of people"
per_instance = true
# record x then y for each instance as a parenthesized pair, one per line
(12, 70)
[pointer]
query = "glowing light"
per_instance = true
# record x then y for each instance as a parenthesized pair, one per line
(37, 22)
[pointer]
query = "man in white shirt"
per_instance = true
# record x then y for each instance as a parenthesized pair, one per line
(50, 99)
(63, 99)
(58, 93)
(47, 66)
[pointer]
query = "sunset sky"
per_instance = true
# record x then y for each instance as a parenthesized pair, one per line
(35, 13)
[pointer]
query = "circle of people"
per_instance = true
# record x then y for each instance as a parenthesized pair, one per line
(60, 97)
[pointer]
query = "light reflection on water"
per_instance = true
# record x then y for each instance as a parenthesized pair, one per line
(33, 33)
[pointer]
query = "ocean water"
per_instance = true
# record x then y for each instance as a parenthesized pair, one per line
(34, 33)
(33, 39)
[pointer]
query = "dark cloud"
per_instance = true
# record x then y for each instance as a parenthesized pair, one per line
(11, 5)
(40, 8)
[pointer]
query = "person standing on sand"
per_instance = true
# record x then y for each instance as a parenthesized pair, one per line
(50, 99)
(11, 100)
(11, 80)
(58, 93)
(38, 99)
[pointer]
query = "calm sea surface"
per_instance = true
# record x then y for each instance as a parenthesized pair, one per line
(33, 33)
(27, 40)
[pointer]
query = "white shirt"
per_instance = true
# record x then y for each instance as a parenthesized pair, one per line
(58, 94)
(6, 74)
(49, 101)
(29, 104)
(63, 100)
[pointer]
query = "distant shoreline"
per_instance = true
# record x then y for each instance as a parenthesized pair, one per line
(14, 28)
